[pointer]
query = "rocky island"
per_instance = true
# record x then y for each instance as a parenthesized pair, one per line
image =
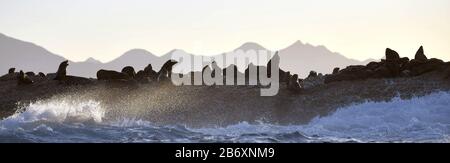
(148, 94)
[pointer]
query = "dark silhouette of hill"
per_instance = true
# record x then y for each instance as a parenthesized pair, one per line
(26, 56)
(301, 58)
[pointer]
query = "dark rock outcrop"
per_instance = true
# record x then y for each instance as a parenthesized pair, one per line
(75, 80)
(392, 67)
(349, 73)
(447, 71)
(373, 65)
(420, 67)
(381, 71)
(51, 76)
(287, 106)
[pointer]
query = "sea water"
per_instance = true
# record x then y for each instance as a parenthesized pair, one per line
(420, 119)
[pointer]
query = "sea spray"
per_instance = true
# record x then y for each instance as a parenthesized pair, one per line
(59, 111)
(420, 119)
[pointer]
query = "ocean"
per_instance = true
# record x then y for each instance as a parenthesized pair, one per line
(417, 120)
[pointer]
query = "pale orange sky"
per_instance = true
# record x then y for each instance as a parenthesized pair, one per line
(105, 29)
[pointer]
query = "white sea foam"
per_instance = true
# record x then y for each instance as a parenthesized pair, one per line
(58, 111)
(421, 119)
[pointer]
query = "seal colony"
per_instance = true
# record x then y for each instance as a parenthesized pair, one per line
(151, 94)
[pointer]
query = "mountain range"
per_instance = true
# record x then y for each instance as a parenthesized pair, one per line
(299, 58)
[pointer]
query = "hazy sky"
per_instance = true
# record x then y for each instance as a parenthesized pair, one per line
(105, 29)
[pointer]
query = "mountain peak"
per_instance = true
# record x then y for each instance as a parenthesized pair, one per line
(250, 46)
(137, 51)
(176, 50)
(92, 60)
(298, 42)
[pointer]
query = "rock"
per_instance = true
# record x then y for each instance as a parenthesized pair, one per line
(422, 68)
(447, 72)
(30, 74)
(11, 70)
(420, 55)
(129, 71)
(349, 73)
(61, 73)
(336, 70)
(75, 80)
(406, 73)
(414, 63)
(312, 74)
(381, 72)
(394, 67)
(23, 79)
(111, 75)
(311, 82)
(403, 63)
(8, 77)
(391, 55)
(373, 65)
(51, 76)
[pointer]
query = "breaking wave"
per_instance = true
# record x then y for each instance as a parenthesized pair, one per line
(420, 119)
